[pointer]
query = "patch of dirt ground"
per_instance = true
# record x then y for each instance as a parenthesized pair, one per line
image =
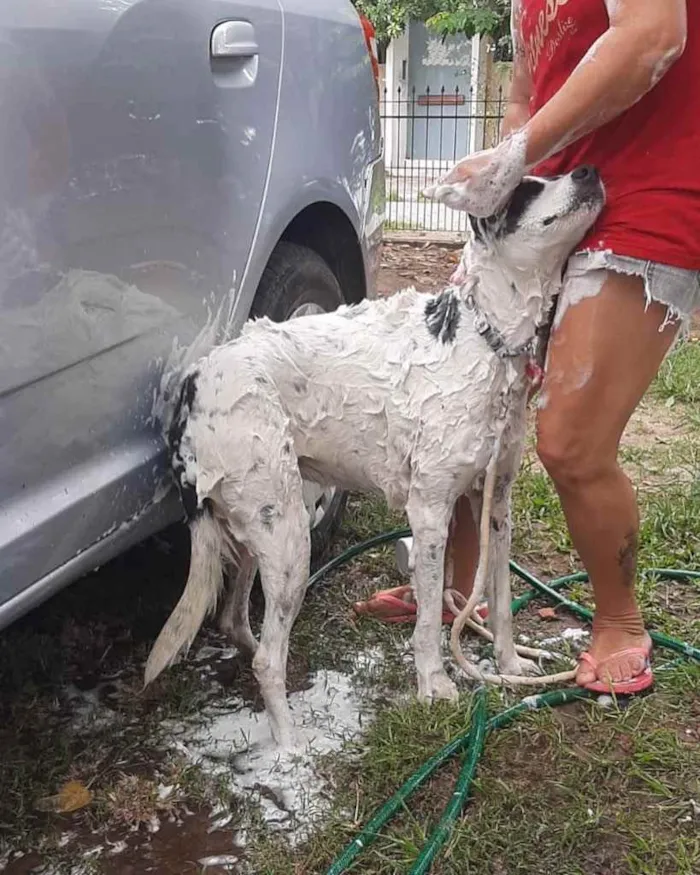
(426, 266)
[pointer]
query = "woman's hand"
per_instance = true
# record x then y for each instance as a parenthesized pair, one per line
(482, 183)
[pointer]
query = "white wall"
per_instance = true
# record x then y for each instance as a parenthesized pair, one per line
(395, 130)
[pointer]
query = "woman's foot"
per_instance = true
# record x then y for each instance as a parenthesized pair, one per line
(616, 662)
(398, 605)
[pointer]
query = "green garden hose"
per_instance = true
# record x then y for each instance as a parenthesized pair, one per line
(551, 593)
(473, 740)
(475, 747)
(351, 552)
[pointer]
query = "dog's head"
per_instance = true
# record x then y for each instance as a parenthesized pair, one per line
(539, 227)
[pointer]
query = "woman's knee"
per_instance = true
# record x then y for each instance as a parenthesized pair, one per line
(569, 451)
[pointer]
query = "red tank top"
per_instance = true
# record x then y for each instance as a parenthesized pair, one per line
(649, 157)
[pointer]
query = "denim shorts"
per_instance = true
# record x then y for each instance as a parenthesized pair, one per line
(675, 287)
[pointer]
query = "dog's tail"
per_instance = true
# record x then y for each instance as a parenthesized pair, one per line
(204, 583)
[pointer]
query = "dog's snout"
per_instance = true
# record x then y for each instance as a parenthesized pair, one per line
(585, 173)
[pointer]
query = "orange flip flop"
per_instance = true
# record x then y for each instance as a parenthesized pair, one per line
(391, 606)
(643, 681)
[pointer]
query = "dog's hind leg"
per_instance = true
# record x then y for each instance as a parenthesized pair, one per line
(283, 557)
(284, 577)
(234, 621)
(430, 526)
(269, 517)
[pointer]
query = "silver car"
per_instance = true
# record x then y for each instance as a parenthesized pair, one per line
(168, 168)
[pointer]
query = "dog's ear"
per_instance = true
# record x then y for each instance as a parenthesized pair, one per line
(485, 229)
(477, 228)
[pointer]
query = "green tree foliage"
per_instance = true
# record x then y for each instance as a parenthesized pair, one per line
(446, 17)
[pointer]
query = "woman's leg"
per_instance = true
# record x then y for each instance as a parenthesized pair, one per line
(602, 358)
(463, 547)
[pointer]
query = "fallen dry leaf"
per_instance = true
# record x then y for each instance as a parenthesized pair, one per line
(547, 614)
(71, 797)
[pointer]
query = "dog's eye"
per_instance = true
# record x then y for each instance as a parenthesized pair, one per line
(549, 220)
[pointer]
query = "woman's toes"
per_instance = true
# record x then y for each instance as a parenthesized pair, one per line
(624, 668)
(585, 674)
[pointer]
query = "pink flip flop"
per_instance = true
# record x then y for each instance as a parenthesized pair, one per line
(638, 684)
(404, 611)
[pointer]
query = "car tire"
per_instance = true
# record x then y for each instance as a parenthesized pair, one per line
(296, 282)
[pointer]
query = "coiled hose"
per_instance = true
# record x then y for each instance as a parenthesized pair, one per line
(472, 742)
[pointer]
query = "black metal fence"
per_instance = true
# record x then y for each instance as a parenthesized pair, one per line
(424, 134)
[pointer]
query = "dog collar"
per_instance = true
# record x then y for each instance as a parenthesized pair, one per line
(493, 336)
(534, 373)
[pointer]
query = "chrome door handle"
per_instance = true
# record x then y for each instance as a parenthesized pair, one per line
(234, 39)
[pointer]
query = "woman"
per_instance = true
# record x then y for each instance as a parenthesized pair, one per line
(610, 83)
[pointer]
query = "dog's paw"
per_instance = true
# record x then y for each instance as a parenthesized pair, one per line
(290, 742)
(286, 736)
(519, 666)
(437, 685)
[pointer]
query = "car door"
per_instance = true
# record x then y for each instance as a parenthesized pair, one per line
(134, 155)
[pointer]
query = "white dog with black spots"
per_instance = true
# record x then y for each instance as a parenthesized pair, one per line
(407, 396)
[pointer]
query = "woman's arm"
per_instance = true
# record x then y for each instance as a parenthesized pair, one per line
(517, 113)
(644, 39)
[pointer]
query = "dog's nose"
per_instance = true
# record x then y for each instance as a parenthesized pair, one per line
(584, 173)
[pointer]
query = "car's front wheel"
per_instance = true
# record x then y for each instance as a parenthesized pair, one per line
(298, 282)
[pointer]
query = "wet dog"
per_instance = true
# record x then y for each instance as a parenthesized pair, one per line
(408, 396)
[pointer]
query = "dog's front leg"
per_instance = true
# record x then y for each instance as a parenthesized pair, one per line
(498, 580)
(430, 530)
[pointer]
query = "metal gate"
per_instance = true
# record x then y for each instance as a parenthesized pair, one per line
(429, 130)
